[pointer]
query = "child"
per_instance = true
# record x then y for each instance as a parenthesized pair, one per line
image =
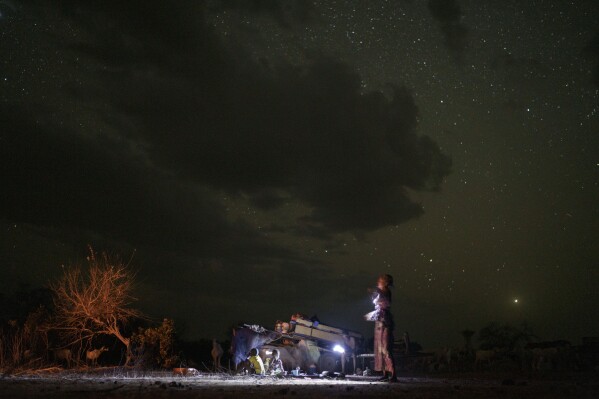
(256, 362)
(276, 364)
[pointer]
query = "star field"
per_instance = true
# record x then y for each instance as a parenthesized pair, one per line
(517, 116)
(247, 147)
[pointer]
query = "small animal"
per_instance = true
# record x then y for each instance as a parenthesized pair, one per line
(28, 354)
(63, 355)
(94, 355)
(217, 353)
(185, 371)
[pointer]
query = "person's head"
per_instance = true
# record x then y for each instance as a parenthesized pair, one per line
(275, 353)
(253, 352)
(385, 281)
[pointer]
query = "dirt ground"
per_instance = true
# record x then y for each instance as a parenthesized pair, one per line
(113, 384)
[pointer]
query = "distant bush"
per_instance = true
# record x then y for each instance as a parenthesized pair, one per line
(153, 347)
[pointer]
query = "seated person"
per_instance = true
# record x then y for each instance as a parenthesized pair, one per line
(256, 362)
(252, 365)
(276, 364)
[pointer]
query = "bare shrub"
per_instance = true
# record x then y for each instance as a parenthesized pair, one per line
(95, 301)
(12, 346)
(3, 363)
(16, 347)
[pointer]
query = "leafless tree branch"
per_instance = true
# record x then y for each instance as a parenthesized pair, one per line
(94, 302)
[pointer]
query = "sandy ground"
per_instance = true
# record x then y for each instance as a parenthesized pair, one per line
(165, 385)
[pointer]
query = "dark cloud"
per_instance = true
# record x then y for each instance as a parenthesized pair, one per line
(448, 14)
(57, 177)
(242, 163)
(224, 121)
(139, 141)
(267, 199)
(93, 190)
(154, 134)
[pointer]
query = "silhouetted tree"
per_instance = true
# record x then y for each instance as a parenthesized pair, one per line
(467, 334)
(496, 335)
(18, 305)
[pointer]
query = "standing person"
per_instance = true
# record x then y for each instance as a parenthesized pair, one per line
(383, 328)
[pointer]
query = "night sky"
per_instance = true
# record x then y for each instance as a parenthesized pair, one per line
(262, 158)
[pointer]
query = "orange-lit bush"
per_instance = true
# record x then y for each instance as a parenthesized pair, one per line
(94, 301)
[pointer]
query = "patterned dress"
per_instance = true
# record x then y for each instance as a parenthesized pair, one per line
(383, 331)
(276, 366)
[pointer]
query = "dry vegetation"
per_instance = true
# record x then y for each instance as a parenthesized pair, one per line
(92, 305)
